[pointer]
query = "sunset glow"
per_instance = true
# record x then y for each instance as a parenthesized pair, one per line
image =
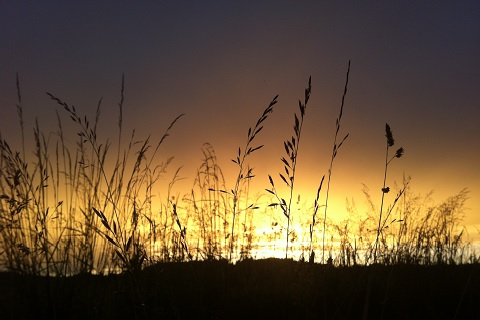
(239, 159)
(217, 68)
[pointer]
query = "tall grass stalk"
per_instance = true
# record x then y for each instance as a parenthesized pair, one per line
(209, 207)
(398, 154)
(316, 206)
(334, 154)
(291, 149)
(125, 242)
(20, 116)
(246, 174)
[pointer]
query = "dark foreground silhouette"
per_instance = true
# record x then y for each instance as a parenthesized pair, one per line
(252, 289)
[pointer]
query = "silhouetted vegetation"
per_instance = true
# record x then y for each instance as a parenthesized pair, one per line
(81, 235)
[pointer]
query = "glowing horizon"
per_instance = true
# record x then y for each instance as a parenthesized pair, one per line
(221, 64)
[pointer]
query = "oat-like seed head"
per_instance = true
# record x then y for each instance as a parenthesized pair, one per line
(399, 152)
(389, 135)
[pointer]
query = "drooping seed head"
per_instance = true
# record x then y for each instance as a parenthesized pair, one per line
(399, 152)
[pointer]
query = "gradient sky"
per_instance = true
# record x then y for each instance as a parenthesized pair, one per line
(415, 65)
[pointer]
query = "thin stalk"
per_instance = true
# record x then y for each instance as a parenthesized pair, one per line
(334, 154)
(381, 205)
(20, 115)
(385, 189)
(290, 164)
(240, 161)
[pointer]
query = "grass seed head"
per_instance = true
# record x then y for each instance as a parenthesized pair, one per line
(389, 135)
(399, 153)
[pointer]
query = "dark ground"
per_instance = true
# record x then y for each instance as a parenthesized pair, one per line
(252, 289)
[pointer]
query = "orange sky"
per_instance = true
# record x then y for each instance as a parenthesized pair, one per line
(414, 66)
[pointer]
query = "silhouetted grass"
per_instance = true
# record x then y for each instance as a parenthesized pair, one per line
(74, 208)
(79, 208)
(245, 174)
(290, 164)
(336, 147)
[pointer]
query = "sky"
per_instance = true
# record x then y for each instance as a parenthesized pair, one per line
(414, 65)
